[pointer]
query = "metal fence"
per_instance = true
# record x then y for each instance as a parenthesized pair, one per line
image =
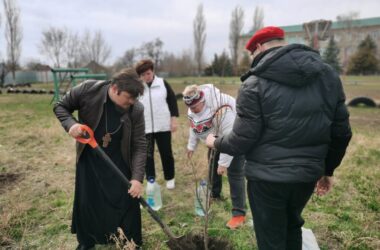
(28, 77)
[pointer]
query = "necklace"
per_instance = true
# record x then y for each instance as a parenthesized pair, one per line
(107, 138)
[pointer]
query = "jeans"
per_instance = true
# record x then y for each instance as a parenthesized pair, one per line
(236, 180)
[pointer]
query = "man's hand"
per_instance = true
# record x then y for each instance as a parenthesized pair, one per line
(76, 130)
(221, 170)
(190, 154)
(324, 185)
(173, 124)
(136, 189)
(210, 140)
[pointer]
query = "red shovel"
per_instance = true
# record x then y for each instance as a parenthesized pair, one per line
(90, 140)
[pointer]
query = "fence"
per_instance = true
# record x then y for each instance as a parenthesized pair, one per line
(29, 77)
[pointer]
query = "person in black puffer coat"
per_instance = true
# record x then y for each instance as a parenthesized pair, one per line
(293, 127)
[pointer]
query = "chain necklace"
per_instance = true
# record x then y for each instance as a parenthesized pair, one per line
(107, 138)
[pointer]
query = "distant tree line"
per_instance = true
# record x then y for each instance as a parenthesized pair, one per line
(363, 61)
(61, 47)
(13, 37)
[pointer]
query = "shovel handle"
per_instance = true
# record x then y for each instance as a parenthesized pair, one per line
(90, 140)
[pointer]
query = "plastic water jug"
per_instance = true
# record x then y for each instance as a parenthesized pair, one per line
(309, 242)
(153, 195)
(200, 198)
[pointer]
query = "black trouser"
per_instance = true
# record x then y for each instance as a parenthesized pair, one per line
(276, 211)
(164, 143)
(236, 181)
(213, 177)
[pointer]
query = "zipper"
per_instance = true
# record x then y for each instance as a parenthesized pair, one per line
(151, 110)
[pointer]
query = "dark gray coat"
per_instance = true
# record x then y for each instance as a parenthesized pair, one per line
(89, 98)
(292, 123)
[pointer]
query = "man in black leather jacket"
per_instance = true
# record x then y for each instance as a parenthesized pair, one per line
(293, 127)
(102, 202)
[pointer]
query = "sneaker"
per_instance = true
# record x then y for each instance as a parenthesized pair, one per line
(235, 222)
(170, 184)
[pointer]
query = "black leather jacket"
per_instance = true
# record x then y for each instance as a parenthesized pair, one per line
(89, 98)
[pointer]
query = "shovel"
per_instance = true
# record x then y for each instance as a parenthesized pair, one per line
(90, 140)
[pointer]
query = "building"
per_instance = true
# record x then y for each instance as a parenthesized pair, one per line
(347, 34)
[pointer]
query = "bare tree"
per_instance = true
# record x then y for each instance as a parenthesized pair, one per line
(178, 65)
(72, 50)
(33, 64)
(153, 50)
(157, 53)
(258, 19)
(53, 44)
(94, 48)
(146, 50)
(3, 72)
(127, 60)
(347, 35)
(3, 68)
(236, 26)
(199, 26)
(13, 34)
(348, 17)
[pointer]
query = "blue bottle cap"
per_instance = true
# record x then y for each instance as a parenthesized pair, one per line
(151, 180)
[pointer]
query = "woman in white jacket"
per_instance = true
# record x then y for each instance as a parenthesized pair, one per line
(211, 111)
(160, 113)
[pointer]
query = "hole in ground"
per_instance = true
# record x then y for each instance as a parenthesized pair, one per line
(196, 242)
(5, 242)
(6, 179)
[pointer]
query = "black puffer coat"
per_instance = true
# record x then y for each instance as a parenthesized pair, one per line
(292, 123)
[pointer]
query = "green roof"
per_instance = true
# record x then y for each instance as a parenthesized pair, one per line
(358, 23)
(365, 22)
(292, 28)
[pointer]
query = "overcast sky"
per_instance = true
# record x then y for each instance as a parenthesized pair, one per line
(128, 24)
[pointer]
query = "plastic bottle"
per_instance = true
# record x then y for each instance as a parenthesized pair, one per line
(200, 198)
(153, 195)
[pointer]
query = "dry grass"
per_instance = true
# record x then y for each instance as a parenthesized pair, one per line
(32, 146)
(122, 242)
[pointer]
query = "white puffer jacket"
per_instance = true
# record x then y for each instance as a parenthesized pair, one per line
(156, 109)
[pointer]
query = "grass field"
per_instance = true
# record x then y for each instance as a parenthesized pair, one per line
(37, 180)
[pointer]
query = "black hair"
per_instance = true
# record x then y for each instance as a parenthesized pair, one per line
(128, 80)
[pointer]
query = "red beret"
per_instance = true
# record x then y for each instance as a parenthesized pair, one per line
(264, 35)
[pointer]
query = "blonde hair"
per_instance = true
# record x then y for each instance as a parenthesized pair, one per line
(190, 90)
